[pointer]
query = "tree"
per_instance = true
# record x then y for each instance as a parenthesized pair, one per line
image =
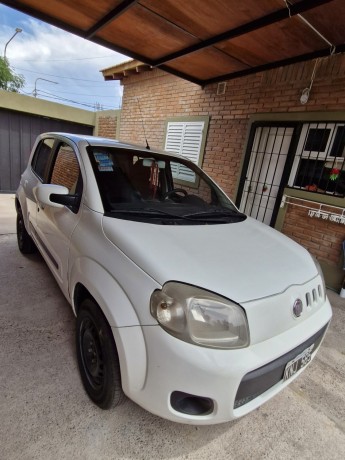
(9, 80)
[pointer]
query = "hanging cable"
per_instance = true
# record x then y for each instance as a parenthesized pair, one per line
(331, 45)
(288, 7)
(306, 92)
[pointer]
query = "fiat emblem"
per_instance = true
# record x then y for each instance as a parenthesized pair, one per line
(297, 308)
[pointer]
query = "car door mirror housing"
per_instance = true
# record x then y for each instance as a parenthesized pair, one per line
(43, 194)
(56, 196)
(71, 201)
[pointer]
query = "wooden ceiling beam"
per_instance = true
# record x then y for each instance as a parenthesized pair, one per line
(273, 65)
(284, 13)
(109, 17)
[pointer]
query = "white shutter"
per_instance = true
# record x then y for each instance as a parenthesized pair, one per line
(184, 138)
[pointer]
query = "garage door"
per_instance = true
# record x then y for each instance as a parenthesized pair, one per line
(18, 132)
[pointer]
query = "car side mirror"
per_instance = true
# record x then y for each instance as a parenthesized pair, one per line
(56, 196)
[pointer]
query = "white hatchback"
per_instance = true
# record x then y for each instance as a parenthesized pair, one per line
(195, 311)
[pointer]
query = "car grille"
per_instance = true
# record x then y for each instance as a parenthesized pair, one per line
(262, 379)
(314, 297)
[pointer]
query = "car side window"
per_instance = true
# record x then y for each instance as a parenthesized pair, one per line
(41, 158)
(66, 170)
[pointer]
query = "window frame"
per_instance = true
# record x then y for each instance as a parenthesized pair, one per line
(178, 121)
(324, 156)
(35, 156)
(58, 144)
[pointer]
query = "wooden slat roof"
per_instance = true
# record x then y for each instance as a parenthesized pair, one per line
(203, 41)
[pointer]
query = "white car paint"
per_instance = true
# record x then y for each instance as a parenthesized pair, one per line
(122, 262)
(235, 250)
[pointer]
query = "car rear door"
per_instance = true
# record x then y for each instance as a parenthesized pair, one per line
(56, 225)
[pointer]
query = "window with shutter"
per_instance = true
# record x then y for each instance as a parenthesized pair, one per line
(186, 138)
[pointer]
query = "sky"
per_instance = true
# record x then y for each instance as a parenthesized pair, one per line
(42, 52)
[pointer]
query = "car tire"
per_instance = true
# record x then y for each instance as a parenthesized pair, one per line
(97, 357)
(25, 242)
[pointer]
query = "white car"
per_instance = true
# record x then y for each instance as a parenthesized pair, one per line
(196, 312)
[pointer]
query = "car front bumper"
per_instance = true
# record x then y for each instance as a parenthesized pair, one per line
(234, 381)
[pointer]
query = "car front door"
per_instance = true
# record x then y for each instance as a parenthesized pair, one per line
(56, 225)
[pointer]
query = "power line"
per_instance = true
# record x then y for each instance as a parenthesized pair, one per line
(62, 60)
(54, 96)
(57, 76)
(60, 99)
(51, 96)
(83, 94)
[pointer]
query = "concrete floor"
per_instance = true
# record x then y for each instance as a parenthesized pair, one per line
(45, 414)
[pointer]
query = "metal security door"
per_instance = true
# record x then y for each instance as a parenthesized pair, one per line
(263, 180)
(18, 132)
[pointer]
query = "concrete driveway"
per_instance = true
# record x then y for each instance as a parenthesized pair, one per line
(45, 414)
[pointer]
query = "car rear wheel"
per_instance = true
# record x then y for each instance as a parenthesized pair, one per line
(25, 242)
(97, 357)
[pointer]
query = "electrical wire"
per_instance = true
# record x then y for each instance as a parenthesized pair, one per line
(54, 96)
(88, 94)
(62, 60)
(66, 100)
(48, 95)
(58, 76)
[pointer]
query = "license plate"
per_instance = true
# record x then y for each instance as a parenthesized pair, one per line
(298, 363)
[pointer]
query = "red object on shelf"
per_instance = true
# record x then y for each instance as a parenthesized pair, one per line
(311, 188)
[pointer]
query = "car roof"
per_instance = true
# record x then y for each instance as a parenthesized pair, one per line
(106, 142)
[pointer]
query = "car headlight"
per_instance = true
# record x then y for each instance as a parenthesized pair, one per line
(319, 269)
(200, 317)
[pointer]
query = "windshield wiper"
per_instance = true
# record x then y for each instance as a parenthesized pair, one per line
(152, 212)
(217, 212)
(217, 216)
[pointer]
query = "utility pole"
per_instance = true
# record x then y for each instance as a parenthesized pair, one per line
(18, 30)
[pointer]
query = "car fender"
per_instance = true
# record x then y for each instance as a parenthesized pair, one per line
(20, 202)
(106, 291)
(121, 316)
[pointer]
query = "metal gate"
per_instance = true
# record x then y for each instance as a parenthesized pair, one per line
(309, 156)
(262, 184)
(18, 132)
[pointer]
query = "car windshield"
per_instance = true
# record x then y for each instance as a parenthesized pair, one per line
(158, 188)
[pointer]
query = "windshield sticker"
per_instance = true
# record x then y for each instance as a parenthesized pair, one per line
(104, 162)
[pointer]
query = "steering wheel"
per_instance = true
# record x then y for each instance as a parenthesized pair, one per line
(174, 190)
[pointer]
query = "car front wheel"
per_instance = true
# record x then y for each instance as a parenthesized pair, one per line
(97, 357)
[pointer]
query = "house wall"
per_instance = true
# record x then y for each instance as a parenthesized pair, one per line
(322, 238)
(151, 97)
(108, 124)
(43, 108)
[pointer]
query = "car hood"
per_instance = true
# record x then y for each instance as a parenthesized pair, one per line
(242, 261)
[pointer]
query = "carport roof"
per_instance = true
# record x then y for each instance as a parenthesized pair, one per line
(203, 41)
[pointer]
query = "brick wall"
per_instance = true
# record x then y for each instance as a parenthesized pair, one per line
(322, 238)
(66, 169)
(107, 124)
